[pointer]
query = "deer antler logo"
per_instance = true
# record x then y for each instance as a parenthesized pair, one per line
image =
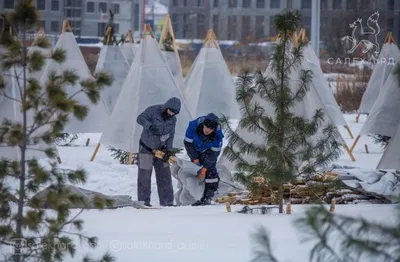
(364, 36)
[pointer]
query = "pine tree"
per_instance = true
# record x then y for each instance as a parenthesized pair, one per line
(288, 152)
(339, 238)
(32, 233)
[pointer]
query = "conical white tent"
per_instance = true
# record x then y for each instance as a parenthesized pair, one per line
(112, 60)
(209, 86)
(149, 82)
(321, 86)
(305, 108)
(10, 108)
(129, 48)
(169, 51)
(389, 56)
(97, 113)
(391, 157)
(384, 115)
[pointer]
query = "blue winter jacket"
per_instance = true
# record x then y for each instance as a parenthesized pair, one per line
(200, 146)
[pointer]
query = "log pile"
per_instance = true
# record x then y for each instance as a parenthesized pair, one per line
(321, 188)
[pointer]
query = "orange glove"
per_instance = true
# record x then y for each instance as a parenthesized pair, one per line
(201, 174)
(197, 162)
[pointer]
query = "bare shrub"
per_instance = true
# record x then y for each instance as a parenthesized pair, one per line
(236, 65)
(348, 93)
(91, 55)
(187, 60)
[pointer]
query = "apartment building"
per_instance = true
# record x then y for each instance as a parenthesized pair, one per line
(190, 18)
(86, 17)
(240, 19)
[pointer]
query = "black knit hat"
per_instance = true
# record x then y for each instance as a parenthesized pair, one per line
(211, 121)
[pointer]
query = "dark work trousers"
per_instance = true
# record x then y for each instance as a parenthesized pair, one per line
(146, 161)
(211, 180)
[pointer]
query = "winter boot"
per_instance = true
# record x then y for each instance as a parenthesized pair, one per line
(147, 204)
(202, 202)
(170, 205)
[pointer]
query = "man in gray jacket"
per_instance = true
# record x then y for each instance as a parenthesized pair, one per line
(158, 133)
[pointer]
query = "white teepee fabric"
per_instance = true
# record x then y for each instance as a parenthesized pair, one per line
(111, 60)
(149, 82)
(174, 63)
(391, 157)
(389, 53)
(384, 115)
(321, 86)
(10, 109)
(97, 113)
(129, 51)
(209, 86)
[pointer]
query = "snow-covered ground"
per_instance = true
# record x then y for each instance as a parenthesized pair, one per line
(195, 233)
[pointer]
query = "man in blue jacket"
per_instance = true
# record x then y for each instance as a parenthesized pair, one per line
(203, 143)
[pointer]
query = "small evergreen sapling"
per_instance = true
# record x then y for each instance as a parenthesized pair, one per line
(32, 233)
(285, 150)
(338, 238)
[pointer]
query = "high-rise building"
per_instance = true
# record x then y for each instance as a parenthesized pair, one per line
(86, 17)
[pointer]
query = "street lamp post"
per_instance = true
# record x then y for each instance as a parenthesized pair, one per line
(315, 25)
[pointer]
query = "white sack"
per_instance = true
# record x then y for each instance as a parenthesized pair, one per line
(190, 189)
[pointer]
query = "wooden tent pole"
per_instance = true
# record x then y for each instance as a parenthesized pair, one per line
(214, 39)
(129, 34)
(39, 34)
(95, 152)
(150, 30)
(355, 143)
(167, 28)
(389, 39)
(147, 29)
(358, 116)
(130, 156)
(210, 39)
(108, 35)
(349, 152)
(66, 26)
(302, 35)
(349, 131)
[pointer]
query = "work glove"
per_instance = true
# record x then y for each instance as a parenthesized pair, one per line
(201, 174)
(197, 162)
(164, 149)
(166, 156)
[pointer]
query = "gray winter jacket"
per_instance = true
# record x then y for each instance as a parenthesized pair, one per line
(158, 132)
